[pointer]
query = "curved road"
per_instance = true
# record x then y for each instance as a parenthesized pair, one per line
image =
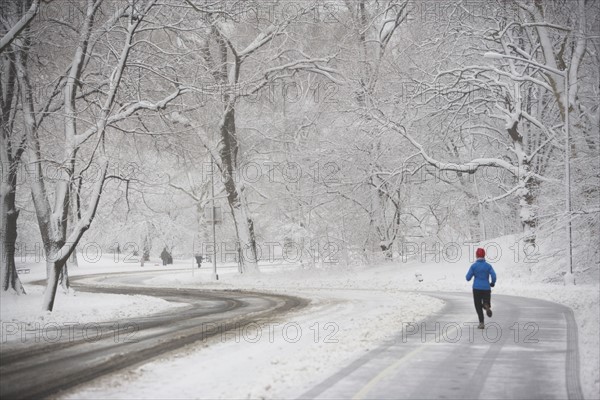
(44, 369)
(527, 351)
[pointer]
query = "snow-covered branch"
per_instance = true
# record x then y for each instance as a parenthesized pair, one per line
(469, 167)
(502, 196)
(128, 111)
(20, 25)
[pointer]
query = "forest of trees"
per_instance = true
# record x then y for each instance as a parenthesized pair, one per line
(348, 128)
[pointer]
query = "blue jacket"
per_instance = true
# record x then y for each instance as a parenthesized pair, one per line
(481, 270)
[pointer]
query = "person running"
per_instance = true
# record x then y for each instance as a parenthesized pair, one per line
(482, 291)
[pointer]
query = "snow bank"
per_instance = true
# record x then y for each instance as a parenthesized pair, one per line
(72, 308)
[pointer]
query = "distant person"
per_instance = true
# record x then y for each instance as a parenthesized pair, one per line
(165, 256)
(199, 260)
(482, 287)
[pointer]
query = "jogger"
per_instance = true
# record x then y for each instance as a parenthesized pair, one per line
(482, 291)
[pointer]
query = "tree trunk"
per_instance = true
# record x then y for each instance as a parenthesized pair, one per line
(204, 233)
(526, 193)
(74, 260)
(479, 212)
(235, 193)
(527, 197)
(147, 247)
(63, 278)
(11, 149)
(53, 269)
(8, 234)
(245, 232)
(74, 217)
(474, 214)
(528, 209)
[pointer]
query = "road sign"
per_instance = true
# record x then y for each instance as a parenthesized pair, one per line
(213, 214)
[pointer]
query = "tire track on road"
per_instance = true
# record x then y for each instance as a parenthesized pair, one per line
(42, 371)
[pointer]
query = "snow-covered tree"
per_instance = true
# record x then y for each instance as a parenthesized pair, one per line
(104, 109)
(16, 17)
(236, 64)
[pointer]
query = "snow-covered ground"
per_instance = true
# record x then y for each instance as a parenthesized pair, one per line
(20, 314)
(352, 310)
(76, 307)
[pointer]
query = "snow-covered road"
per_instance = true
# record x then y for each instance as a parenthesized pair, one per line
(85, 352)
(528, 350)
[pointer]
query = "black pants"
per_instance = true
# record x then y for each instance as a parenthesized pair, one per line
(481, 297)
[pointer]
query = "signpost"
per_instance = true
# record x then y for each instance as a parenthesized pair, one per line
(215, 216)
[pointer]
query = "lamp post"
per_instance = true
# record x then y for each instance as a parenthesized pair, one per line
(565, 75)
(214, 219)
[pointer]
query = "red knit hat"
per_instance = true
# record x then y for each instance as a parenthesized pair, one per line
(480, 253)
